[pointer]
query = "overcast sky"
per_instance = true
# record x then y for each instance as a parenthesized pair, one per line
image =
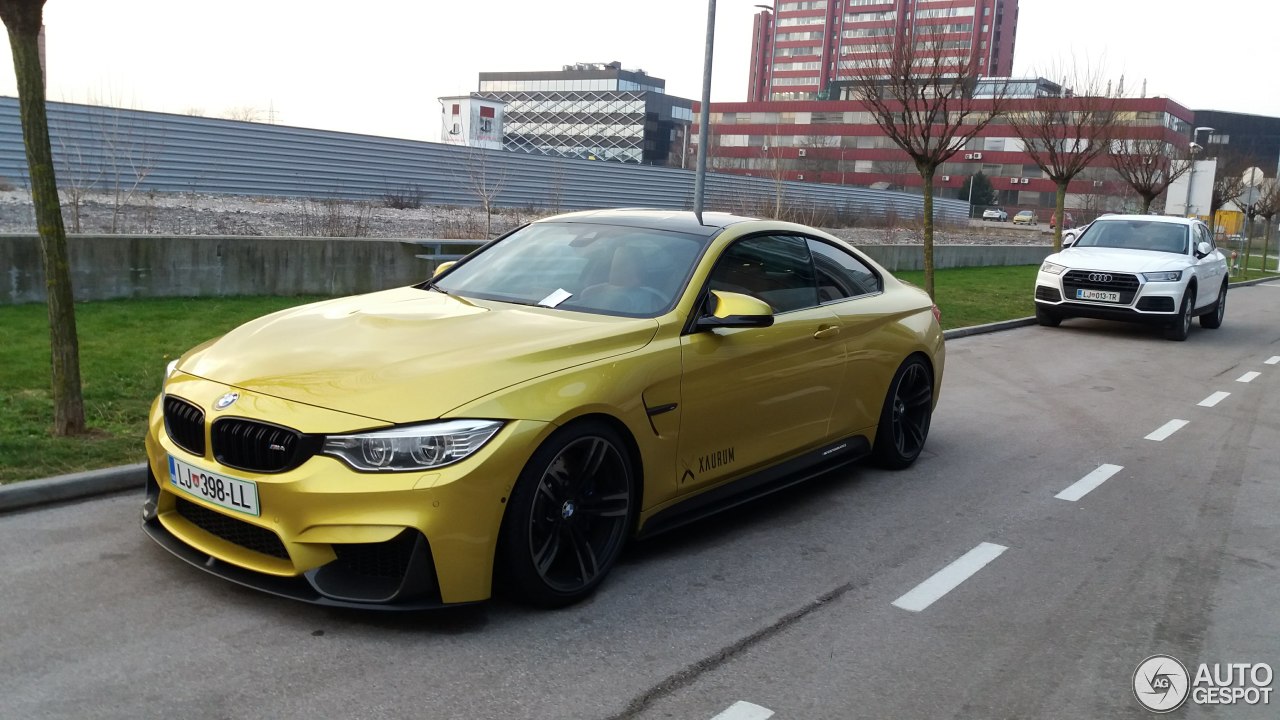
(377, 66)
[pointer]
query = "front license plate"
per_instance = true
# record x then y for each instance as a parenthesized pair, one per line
(1102, 295)
(230, 493)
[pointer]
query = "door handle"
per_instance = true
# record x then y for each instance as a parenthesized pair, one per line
(827, 331)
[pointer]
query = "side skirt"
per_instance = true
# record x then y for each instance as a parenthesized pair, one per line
(759, 484)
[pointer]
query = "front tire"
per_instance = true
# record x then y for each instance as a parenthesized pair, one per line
(1047, 318)
(1181, 326)
(1213, 320)
(905, 418)
(570, 513)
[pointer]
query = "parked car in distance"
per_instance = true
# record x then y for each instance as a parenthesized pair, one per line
(1137, 268)
(1025, 217)
(995, 214)
(514, 420)
(1070, 236)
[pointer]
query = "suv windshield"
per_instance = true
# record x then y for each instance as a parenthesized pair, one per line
(607, 269)
(1136, 235)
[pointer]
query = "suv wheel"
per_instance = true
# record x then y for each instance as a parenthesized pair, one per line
(1181, 326)
(1213, 320)
(1048, 318)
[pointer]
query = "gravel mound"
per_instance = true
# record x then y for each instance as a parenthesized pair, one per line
(151, 213)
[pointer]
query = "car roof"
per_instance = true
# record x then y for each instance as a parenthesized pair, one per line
(707, 224)
(1148, 218)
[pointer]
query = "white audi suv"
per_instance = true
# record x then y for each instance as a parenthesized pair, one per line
(1137, 268)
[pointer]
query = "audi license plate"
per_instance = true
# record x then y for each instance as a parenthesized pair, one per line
(1100, 295)
(230, 493)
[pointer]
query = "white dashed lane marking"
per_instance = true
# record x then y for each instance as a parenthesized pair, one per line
(1214, 399)
(1087, 483)
(1273, 360)
(1167, 429)
(949, 577)
(744, 711)
(1249, 376)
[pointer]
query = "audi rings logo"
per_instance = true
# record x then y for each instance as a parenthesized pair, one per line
(1099, 277)
(1161, 683)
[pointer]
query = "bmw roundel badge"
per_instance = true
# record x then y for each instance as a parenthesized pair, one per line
(226, 401)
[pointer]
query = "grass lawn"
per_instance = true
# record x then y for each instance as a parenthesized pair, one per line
(125, 345)
(975, 296)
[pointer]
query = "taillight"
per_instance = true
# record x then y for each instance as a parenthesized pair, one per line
(937, 314)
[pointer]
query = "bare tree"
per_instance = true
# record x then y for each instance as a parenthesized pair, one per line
(1227, 187)
(486, 177)
(23, 20)
(927, 108)
(1267, 207)
(1149, 166)
(244, 113)
(79, 170)
(1063, 135)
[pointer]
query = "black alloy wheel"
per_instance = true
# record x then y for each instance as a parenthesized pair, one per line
(904, 421)
(1213, 320)
(569, 516)
(1181, 326)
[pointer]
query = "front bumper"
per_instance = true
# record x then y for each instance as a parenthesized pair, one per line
(329, 535)
(1154, 303)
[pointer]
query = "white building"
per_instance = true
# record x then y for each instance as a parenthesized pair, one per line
(473, 121)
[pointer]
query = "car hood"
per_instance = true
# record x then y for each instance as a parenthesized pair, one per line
(1119, 260)
(407, 355)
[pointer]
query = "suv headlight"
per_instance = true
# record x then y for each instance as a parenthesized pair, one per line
(414, 447)
(1051, 268)
(1173, 276)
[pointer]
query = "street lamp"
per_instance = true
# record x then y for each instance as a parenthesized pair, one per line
(704, 112)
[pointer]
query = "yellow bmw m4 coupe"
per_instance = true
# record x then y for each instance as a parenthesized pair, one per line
(515, 420)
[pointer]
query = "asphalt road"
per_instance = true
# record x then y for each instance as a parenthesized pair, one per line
(795, 604)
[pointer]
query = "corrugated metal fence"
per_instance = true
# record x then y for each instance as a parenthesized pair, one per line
(102, 149)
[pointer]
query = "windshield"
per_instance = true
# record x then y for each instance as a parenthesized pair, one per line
(1136, 235)
(607, 269)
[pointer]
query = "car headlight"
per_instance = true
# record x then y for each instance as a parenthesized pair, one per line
(1052, 268)
(414, 447)
(1172, 276)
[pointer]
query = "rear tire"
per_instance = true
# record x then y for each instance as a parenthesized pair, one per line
(1213, 320)
(1047, 318)
(905, 418)
(1181, 326)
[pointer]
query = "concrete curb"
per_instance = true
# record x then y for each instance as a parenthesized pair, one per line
(30, 493)
(988, 328)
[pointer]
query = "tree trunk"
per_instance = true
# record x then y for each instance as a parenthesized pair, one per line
(1060, 207)
(1146, 203)
(1266, 242)
(927, 175)
(23, 21)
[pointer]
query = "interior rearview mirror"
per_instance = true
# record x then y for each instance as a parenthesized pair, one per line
(735, 310)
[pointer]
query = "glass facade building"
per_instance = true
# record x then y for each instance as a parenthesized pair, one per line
(596, 111)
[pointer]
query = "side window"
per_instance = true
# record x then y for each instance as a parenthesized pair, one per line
(840, 274)
(776, 269)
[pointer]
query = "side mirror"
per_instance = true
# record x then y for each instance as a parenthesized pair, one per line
(1203, 249)
(443, 266)
(1068, 241)
(735, 310)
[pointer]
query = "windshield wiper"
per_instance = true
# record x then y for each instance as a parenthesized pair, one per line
(431, 285)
